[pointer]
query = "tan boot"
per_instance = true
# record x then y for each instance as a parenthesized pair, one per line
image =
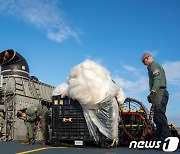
(25, 142)
(45, 142)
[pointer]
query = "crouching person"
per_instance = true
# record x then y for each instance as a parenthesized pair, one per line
(31, 117)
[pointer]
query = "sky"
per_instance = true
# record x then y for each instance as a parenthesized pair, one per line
(55, 35)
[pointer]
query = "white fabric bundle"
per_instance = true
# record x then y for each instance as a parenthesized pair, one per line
(120, 96)
(90, 83)
(61, 89)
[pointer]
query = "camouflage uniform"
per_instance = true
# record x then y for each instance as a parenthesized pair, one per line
(35, 114)
(157, 84)
(2, 124)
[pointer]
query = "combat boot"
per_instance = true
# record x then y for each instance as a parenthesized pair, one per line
(26, 142)
(45, 142)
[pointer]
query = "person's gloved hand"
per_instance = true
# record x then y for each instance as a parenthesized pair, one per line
(151, 96)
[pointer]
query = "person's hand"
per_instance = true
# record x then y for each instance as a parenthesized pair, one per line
(150, 97)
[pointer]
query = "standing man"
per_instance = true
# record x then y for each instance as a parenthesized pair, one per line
(158, 96)
(31, 117)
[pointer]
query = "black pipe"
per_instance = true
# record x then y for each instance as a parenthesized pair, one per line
(13, 64)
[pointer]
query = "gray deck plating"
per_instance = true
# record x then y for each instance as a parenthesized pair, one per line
(16, 148)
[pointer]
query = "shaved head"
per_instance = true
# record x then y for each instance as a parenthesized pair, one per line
(145, 56)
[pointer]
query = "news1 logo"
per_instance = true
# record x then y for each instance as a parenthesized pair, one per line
(170, 144)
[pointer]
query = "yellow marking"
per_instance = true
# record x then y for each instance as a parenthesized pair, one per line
(67, 119)
(171, 126)
(56, 147)
(133, 111)
(29, 151)
(113, 143)
(61, 102)
(140, 111)
(55, 102)
(132, 125)
(40, 149)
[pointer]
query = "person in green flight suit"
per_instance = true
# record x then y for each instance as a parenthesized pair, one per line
(158, 96)
(31, 116)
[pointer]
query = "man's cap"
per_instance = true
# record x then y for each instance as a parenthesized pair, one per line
(145, 56)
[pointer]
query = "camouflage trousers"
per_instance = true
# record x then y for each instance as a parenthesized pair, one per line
(44, 121)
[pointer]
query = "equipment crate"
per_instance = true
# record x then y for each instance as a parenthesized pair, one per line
(68, 122)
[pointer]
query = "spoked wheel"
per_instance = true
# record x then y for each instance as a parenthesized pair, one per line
(134, 121)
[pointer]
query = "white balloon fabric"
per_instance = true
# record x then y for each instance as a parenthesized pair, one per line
(90, 84)
(105, 119)
(61, 89)
(120, 96)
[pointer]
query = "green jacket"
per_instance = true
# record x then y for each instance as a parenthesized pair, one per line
(35, 112)
(157, 76)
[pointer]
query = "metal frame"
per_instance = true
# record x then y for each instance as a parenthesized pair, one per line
(17, 93)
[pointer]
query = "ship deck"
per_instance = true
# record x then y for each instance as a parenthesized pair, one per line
(15, 147)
